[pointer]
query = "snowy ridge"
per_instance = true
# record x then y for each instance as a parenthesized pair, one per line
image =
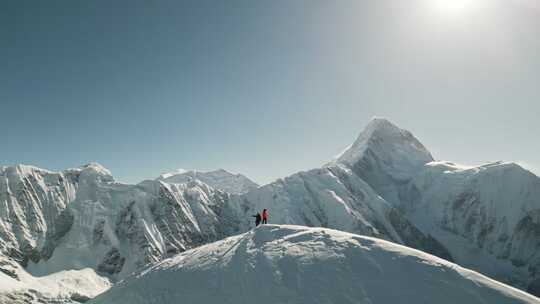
(218, 179)
(333, 197)
(165, 175)
(293, 264)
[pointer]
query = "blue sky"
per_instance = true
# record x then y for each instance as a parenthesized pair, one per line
(265, 88)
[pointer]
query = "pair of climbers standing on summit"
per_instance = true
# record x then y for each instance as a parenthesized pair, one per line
(259, 218)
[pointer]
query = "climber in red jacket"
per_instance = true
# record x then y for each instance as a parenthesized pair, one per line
(265, 216)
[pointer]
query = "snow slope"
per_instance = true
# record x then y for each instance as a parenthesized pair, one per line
(219, 179)
(63, 287)
(332, 197)
(293, 264)
(494, 207)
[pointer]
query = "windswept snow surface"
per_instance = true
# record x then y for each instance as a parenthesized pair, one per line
(294, 264)
(63, 287)
(220, 179)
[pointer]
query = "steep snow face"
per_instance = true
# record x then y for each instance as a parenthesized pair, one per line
(397, 150)
(71, 286)
(292, 264)
(383, 152)
(332, 197)
(82, 218)
(219, 179)
(31, 201)
(495, 207)
(117, 228)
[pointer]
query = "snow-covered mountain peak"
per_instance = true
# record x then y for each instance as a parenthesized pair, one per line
(294, 264)
(97, 168)
(22, 170)
(384, 148)
(220, 179)
(93, 172)
(380, 124)
(388, 141)
(173, 173)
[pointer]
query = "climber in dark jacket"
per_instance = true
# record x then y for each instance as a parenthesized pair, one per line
(257, 219)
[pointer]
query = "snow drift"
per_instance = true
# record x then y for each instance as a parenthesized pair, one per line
(68, 286)
(294, 264)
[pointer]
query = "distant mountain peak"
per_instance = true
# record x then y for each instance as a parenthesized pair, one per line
(388, 142)
(96, 166)
(381, 123)
(21, 169)
(172, 173)
(220, 179)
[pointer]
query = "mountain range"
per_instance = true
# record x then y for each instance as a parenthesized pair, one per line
(386, 185)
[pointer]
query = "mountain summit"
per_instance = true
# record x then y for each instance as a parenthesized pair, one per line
(382, 144)
(293, 264)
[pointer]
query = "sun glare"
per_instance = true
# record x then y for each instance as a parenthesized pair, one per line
(453, 6)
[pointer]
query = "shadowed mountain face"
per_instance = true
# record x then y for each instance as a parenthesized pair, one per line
(386, 185)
